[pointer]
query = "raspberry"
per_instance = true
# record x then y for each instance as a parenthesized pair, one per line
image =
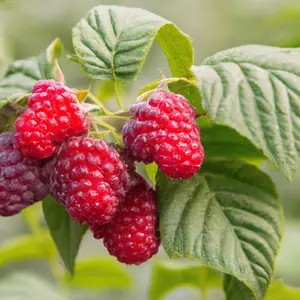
(98, 230)
(53, 115)
(132, 235)
(164, 130)
(89, 179)
(135, 180)
(21, 178)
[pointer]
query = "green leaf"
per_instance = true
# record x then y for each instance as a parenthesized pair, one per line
(112, 42)
(66, 233)
(27, 286)
(23, 74)
(255, 90)
(279, 291)
(99, 273)
(26, 247)
(236, 290)
(151, 170)
(167, 276)
(224, 142)
(228, 216)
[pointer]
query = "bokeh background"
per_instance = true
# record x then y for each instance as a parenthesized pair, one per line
(28, 26)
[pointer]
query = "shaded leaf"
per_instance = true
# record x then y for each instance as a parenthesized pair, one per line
(66, 233)
(224, 142)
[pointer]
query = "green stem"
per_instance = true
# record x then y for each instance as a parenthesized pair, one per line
(112, 130)
(100, 104)
(119, 102)
(118, 117)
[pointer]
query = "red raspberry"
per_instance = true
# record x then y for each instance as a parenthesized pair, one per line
(164, 130)
(90, 179)
(21, 178)
(135, 180)
(132, 235)
(53, 115)
(98, 230)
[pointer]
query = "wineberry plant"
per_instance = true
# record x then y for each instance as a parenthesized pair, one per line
(200, 136)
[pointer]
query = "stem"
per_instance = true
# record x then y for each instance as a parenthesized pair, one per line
(119, 102)
(112, 130)
(118, 117)
(100, 104)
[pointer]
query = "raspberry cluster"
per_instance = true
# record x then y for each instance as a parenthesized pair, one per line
(50, 152)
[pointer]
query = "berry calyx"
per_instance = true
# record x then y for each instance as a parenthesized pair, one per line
(53, 115)
(164, 130)
(22, 179)
(90, 179)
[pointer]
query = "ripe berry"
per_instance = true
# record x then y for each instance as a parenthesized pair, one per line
(164, 130)
(90, 179)
(135, 180)
(98, 230)
(53, 115)
(132, 235)
(21, 178)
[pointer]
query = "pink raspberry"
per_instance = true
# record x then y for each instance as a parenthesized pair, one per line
(89, 179)
(164, 130)
(54, 114)
(22, 179)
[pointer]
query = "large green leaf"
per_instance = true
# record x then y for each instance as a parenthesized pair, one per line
(26, 247)
(255, 90)
(228, 216)
(66, 233)
(112, 42)
(167, 276)
(27, 286)
(23, 74)
(99, 273)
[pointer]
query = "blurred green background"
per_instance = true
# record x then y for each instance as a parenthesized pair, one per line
(28, 26)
